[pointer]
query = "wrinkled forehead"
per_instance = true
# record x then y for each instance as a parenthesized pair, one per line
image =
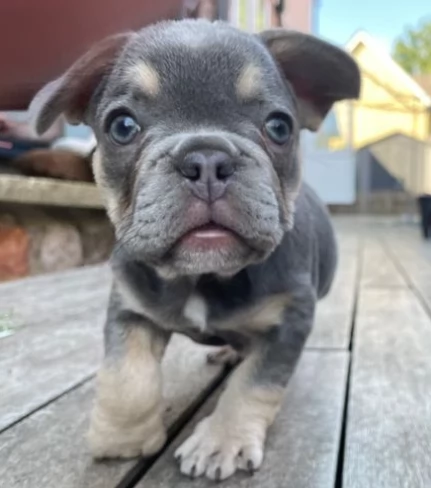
(196, 65)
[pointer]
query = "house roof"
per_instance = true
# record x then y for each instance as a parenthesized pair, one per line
(394, 135)
(362, 37)
(424, 80)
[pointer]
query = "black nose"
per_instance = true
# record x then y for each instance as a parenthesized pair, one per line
(207, 173)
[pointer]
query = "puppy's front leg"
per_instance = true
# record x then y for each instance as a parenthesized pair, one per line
(127, 417)
(233, 436)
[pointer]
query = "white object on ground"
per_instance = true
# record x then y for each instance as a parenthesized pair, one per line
(75, 144)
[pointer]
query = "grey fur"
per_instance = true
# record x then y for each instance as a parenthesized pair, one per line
(287, 245)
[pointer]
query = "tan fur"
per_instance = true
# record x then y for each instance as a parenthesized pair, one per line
(258, 318)
(195, 310)
(145, 76)
(255, 401)
(111, 201)
(238, 424)
(248, 84)
(226, 356)
(127, 417)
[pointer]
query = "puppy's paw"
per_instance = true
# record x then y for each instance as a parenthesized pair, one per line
(226, 355)
(107, 440)
(217, 449)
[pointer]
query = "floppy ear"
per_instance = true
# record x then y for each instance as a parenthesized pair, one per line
(319, 72)
(71, 93)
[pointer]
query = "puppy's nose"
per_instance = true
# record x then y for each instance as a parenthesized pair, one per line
(207, 173)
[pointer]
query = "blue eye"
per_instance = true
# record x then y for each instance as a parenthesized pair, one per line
(123, 129)
(278, 128)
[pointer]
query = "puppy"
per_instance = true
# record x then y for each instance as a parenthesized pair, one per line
(197, 125)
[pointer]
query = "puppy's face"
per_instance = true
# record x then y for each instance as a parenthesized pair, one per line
(197, 127)
(197, 137)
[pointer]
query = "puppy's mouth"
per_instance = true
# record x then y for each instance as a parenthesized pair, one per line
(209, 237)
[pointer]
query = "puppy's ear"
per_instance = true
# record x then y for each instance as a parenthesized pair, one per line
(319, 72)
(71, 93)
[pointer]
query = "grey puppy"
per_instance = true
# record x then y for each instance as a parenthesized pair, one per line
(197, 126)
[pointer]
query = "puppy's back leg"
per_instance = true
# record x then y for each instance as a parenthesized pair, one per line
(226, 356)
(126, 420)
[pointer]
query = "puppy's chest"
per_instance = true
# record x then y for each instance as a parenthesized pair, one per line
(211, 303)
(183, 306)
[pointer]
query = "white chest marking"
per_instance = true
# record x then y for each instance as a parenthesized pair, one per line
(195, 310)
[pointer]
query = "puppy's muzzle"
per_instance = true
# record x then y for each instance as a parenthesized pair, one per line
(207, 172)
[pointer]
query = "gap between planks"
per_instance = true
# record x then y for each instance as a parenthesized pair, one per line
(342, 445)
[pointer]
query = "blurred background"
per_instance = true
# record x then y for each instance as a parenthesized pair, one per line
(371, 156)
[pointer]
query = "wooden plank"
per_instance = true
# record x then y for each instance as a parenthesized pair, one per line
(48, 191)
(55, 298)
(413, 256)
(60, 342)
(39, 364)
(389, 416)
(60, 282)
(302, 448)
(335, 312)
(48, 449)
(378, 268)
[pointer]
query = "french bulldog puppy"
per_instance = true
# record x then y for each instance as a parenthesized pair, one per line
(197, 126)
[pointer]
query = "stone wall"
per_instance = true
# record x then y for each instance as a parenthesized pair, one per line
(36, 239)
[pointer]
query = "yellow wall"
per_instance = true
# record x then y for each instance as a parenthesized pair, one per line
(386, 106)
(245, 11)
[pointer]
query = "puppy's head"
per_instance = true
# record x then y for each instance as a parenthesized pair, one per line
(197, 125)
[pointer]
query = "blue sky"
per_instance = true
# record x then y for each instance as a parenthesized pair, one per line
(384, 19)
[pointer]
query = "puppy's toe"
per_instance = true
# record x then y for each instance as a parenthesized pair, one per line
(194, 465)
(191, 444)
(104, 451)
(219, 450)
(154, 441)
(250, 458)
(226, 355)
(195, 453)
(110, 440)
(222, 465)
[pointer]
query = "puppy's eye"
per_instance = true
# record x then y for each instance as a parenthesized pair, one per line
(123, 129)
(278, 127)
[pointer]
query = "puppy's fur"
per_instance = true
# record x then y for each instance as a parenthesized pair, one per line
(202, 94)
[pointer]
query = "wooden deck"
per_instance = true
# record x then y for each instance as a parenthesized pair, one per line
(357, 413)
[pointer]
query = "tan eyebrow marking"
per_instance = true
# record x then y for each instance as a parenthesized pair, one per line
(248, 84)
(145, 76)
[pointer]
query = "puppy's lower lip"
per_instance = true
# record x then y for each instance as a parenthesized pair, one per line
(210, 234)
(209, 237)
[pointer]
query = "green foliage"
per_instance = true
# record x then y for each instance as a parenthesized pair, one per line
(412, 50)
